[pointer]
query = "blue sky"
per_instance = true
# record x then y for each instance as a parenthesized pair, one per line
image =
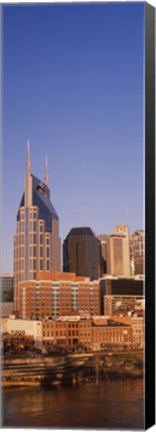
(73, 84)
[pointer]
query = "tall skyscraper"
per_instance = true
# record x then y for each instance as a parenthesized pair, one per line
(104, 240)
(36, 242)
(116, 253)
(123, 230)
(137, 252)
(82, 253)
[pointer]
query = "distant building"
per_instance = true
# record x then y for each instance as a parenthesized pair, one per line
(115, 252)
(6, 287)
(36, 243)
(82, 253)
(104, 239)
(58, 294)
(137, 252)
(7, 308)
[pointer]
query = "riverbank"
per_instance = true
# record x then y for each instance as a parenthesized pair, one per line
(73, 368)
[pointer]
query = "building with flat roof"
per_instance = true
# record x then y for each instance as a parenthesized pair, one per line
(20, 327)
(113, 286)
(82, 253)
(36, 242)
(6, 287)
(115, 252)
(58, 294)
(124, 305)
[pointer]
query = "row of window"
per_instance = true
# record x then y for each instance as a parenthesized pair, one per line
(64, 333)
(106, 338)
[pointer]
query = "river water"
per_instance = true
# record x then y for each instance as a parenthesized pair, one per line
(117, 404)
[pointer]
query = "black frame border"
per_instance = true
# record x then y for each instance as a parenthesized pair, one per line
(149, 215)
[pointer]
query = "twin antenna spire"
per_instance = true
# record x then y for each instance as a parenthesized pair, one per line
(28, 165)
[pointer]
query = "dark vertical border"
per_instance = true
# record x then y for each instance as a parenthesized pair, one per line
(149, 216)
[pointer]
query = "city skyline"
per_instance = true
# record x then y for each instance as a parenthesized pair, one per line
(60, 90)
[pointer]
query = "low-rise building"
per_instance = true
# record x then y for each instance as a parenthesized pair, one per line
(137, 325)
(95, 333)
(120, 286)
(68, 331)
(20, 327)
(124, 305)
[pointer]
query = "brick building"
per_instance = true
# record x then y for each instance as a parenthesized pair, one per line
(57, 294)
(95, 333)
(137, 325)
(68, 331)
(91, 333)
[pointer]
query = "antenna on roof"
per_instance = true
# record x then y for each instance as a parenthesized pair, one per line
(46, 177)
(127, 215)
(28, 164)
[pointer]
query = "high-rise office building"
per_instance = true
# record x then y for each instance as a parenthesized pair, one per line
(115, 252)
(82, 253)
(104, 239)
(137, 252)
(36, 242)
(123, 230)
(7, 287)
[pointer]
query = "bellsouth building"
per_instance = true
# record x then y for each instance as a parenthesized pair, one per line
(36, 242)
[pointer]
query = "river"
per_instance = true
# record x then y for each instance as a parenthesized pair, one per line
(117, 404)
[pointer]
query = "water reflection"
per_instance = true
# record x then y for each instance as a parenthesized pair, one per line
(117, 404)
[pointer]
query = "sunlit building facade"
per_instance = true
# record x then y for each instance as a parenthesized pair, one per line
(137, 252)
(57, 294)
(116, 252)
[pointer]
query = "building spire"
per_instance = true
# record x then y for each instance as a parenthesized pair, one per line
(28, 163)
(28, 179)
(46, 178)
